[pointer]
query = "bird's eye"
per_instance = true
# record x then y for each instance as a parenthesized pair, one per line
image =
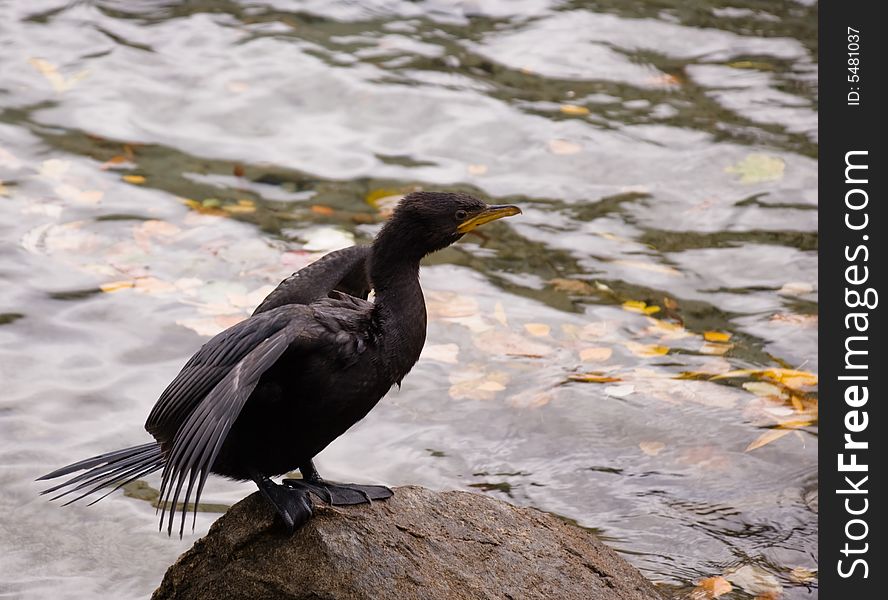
(460, 215)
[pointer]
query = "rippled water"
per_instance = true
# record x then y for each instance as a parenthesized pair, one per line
(163, 164)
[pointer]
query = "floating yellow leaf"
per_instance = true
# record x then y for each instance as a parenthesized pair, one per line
(574, 110)
(134, 179)
(477, 169)
(651, 448)
(761, 388)
(537, 329)
(595, 354)
(766, 438)
(646, 350)
(640, 307)
(593, 378)
(564, 147)
(716, 336)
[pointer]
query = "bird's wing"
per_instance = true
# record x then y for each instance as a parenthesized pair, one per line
(343, 270)
(199, 439)
(208, 367)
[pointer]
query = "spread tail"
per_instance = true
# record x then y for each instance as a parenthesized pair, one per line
(111, 469)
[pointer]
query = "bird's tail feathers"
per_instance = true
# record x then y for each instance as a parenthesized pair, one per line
(112, 469)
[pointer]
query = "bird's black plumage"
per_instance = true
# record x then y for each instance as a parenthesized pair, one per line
(266, 395)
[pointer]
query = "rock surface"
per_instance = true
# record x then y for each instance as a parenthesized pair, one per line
(418, 544)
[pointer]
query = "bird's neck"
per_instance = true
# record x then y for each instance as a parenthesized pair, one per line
(400, 309)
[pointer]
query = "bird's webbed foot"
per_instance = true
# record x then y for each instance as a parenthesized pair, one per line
(337, 494)
(292, 504)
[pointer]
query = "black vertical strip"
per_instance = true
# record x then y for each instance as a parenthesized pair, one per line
(853, 423)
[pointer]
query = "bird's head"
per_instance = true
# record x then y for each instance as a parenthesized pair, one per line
(430, 221)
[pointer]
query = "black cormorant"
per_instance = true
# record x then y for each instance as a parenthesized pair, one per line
(266, 395)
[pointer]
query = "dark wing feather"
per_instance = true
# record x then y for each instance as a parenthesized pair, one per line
(198, 441)
(209, 366)
(344, 270)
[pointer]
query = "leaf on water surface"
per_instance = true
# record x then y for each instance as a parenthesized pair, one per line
(762, 388)
(208, 206)
(59, 82)
(757, 168)
(766, 438)
(477, 169)
(323, 210)
(716, 336)
(134, 179)
(648, 266)
(119, 159)
(637, 306)
(537, 329)
(564, 147)
(593, 378)
(574, 110)
(646, 350)
(666, 329)
(712, 587)
(242, 206)
(754, 580)
(571, 286)
(4, 191)
(595, 354)
(652, 448)
(791, 378)
(445, 353)
(802, 575)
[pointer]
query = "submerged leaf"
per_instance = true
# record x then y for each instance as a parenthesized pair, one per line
(651, 448)
(537, 329)
(756, 168)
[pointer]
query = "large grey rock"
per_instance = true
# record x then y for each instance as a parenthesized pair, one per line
(418, 544)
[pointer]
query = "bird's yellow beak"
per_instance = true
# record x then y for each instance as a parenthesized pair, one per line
(491, 213)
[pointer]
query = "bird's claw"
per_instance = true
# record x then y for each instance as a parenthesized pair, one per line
(341, 494)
